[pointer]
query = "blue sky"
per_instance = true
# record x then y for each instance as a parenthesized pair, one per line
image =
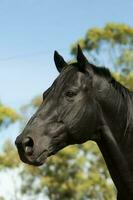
(30, 31)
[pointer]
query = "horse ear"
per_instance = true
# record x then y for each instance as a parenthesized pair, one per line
(82, 60)
(59, 61)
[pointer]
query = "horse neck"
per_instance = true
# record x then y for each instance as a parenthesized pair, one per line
(117, 164)
(117, 110)
(117, 141)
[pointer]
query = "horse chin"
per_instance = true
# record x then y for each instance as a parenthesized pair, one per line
(41, 158)
(34, 160)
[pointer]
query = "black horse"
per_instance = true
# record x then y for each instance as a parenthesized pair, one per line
(84, 103)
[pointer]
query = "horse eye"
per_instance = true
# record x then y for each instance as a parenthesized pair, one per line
(70, 93)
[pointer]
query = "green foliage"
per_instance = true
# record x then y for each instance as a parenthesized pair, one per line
(121, 34)
(7, 115)
(126, 59)
(72, 174)
(35, 102)
(77, 172)
(9, 157)
(2, 198)
(113, 42)
(127, 80)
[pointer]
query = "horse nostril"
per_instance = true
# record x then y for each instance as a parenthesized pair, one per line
(28, 145)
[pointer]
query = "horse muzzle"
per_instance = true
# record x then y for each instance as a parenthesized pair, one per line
(29, 152)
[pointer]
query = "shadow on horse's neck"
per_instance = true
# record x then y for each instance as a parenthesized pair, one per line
(117, 109)
(116, 143)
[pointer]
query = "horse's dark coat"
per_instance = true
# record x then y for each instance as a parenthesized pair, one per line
(84, 103)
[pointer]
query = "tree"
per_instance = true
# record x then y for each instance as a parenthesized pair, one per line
(79, 172)
(74, 174)
(71, 174)
(86, 174)
(10, 167)
(7, 115)
(112, 44)
(127, 80)
(9, 157)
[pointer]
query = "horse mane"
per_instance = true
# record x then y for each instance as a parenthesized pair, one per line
(105, 73)
(125, 96)
(121, 89)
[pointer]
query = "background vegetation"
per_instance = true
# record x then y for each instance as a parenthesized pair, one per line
(77, 172)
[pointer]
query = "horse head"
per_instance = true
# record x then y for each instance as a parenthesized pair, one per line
(69, 114)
